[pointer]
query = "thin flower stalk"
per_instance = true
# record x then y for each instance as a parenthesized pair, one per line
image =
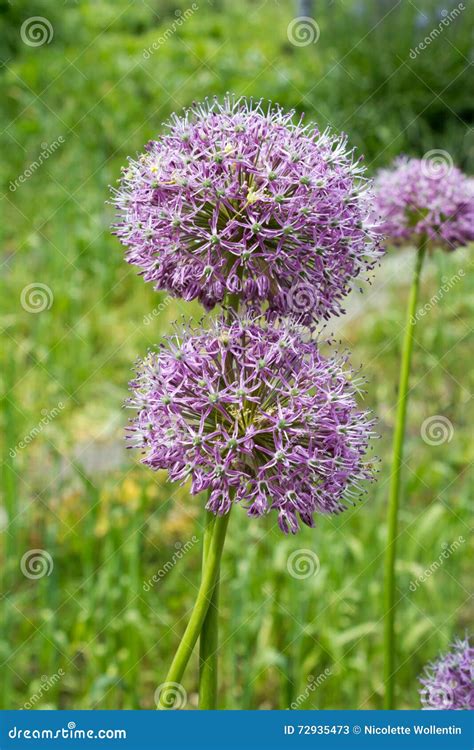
(209, 638)
(430, 203)
(193, 629)
(395, 480)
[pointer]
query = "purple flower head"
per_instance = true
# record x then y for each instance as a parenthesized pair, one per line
(449, 682)
(237, 198)
(428, 196)
(255, 414)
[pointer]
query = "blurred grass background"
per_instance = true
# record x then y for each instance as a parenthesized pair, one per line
(109, 524)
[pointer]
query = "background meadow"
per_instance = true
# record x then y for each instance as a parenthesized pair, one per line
(92, 620)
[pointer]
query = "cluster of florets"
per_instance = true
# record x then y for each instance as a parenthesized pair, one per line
(426, 197)
(244, 205)
(252, 412)
(448, 683)
(238, 199)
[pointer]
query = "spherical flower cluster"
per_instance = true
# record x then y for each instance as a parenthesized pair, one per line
(449, 682)
(244, 200)
(252, 412)
(426, 197)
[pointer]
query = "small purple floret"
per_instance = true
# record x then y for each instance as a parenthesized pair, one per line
(252, 412)
(426, 197)
(448, 683)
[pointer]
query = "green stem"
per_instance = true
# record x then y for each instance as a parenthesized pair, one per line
(394, 498)
(208, 643)
(205, 593)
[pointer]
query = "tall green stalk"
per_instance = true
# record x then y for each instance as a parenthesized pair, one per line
(208, 642)
(394, 498)
(205, 594)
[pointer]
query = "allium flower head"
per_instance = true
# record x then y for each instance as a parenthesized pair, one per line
(255, 414)
(449, 682)
(428, 196)
(238, 198)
